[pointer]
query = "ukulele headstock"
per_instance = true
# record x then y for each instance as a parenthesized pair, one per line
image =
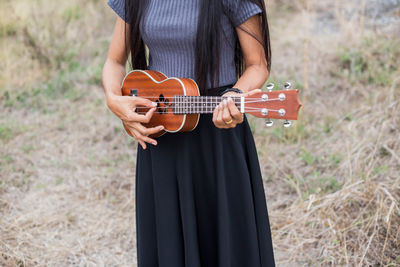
(281, 104)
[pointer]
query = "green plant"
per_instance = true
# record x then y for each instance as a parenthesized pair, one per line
(6, 132)
(72, 12)
(307, 157)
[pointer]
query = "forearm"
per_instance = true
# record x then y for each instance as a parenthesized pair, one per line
(113, 75)
(253, 77)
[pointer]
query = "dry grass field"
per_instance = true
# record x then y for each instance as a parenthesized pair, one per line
(67, 169)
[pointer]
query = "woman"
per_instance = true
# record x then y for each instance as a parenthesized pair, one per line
(199, 195)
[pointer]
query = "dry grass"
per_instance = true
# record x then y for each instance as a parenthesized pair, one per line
(67, 171)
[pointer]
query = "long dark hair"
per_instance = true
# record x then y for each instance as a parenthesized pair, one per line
(208, 46)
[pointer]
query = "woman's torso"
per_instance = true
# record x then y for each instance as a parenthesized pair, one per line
(169, 30)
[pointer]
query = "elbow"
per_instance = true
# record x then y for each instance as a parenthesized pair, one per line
(265, 73)
(103, 72)
(262, 72)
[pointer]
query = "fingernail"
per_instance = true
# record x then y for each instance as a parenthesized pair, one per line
(161, 127)
(155, 143)
(230, 99)
(154, 104)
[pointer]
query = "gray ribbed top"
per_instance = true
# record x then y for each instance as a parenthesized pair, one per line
(169, 31)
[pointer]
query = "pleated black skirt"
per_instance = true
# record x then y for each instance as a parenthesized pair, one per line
(200, 200)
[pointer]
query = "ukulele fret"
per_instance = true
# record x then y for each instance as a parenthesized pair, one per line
(199, 104)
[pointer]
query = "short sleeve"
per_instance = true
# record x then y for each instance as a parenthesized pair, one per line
(119, 7)
(240, 10)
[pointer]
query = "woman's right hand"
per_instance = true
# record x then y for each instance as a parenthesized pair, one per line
(124, 107)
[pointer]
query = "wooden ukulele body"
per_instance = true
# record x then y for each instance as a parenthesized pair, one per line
(157, 87)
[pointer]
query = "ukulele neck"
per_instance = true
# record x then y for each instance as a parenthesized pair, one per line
(202, 104)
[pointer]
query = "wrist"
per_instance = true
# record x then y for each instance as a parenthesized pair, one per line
(231, 90)
(231, 94)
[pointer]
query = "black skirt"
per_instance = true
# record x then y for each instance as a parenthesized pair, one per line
(200, 200)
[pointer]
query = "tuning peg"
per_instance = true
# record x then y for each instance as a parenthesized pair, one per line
(287, 124)
(269, 123)
(287, 85)
(270, 87)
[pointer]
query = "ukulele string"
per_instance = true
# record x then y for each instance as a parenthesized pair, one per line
(168, 112)
(204, 103)
(252, 108)
(246, 98)
(199, 107)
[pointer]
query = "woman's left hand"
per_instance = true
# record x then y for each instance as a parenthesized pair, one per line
(226, 115)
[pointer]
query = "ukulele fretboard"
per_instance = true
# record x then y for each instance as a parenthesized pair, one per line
(200, 104)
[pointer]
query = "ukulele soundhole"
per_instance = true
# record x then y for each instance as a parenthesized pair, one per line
(163, 104)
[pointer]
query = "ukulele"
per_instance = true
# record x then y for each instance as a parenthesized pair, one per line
(179, 103)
